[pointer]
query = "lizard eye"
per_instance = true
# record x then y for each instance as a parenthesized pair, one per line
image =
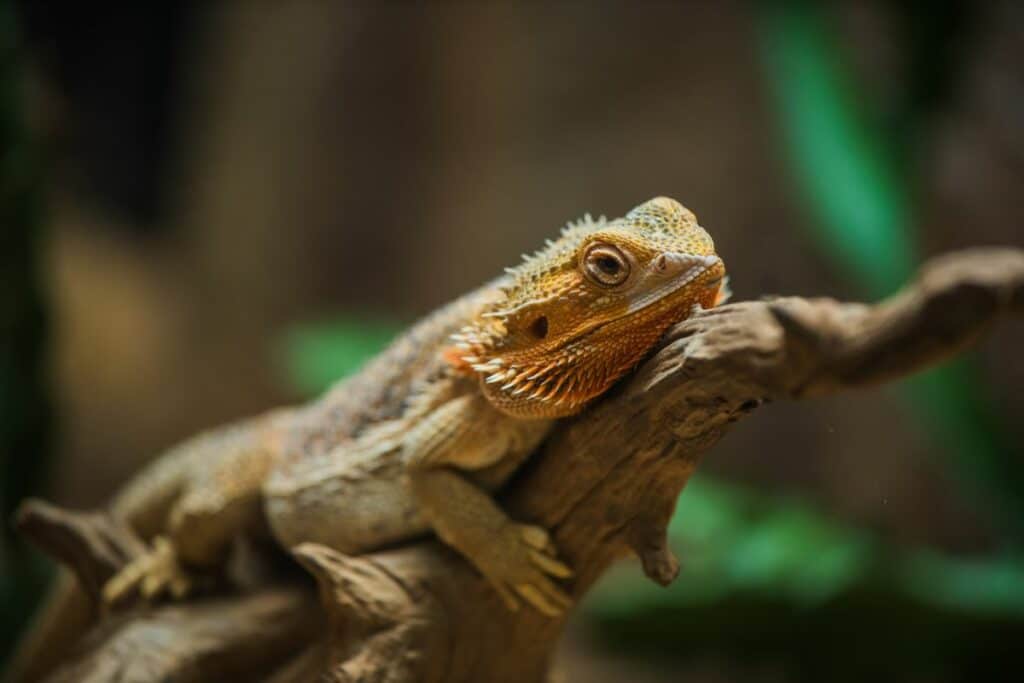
(605, 265)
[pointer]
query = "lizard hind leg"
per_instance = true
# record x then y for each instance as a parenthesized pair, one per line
(219, 502)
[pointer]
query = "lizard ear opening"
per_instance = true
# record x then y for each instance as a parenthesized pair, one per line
(539, 327)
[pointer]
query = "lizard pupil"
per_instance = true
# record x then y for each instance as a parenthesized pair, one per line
(539, 327)
(608, 265)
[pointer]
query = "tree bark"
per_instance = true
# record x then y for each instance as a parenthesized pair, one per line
(605, 484)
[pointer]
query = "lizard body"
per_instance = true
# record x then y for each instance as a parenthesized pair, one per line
(419, 439)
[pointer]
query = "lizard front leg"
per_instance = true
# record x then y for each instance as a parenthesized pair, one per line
(467, 434)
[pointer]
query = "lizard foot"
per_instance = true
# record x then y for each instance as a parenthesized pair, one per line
(151, 575)
(519, 565)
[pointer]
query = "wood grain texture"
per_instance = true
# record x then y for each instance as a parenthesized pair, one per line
(605, 483)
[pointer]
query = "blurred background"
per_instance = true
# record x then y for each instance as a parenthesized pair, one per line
(208, 209)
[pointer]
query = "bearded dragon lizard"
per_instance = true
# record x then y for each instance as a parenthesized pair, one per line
(419, 439)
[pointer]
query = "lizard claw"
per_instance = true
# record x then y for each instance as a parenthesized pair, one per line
(150, 575)
(519, 566)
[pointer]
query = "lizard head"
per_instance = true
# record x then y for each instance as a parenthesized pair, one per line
(581, 312)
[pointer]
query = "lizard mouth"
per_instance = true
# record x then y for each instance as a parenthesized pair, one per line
(681, 271)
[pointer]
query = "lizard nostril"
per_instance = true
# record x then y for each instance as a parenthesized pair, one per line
(539, 327)
(661, 263)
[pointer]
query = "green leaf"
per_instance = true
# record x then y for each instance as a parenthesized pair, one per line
(318, 354)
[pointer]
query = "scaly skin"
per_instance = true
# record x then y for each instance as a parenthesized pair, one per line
(419, 439)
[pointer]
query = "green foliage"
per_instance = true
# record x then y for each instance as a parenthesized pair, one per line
(317, 354)
(768, 579)
(780, 545)
(734, 542)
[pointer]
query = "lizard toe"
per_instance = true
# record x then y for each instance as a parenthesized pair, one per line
(536, 537)
(545, 597)
(550, 565)
(506, 594)
(150, 576)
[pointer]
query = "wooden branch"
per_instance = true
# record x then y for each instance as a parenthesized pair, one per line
(605, 483)
(93, 545)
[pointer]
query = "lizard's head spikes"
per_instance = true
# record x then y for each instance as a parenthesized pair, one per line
(582, 311)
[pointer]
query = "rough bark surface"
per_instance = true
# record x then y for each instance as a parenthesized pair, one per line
(605, 484)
